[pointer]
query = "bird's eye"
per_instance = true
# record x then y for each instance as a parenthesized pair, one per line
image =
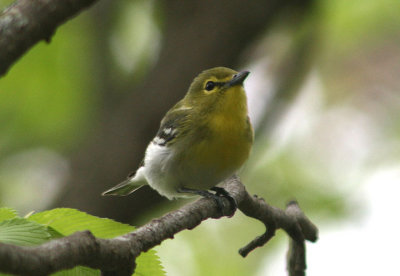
(210, 85)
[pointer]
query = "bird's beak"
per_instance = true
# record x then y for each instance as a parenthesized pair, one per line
(238, 79)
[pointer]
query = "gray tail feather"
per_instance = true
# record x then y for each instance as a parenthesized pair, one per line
(124, 188)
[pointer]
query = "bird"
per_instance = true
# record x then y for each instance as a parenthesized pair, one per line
(202, 140)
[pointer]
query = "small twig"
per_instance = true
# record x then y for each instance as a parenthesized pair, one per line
(296, 258)
(117, 256)
(258, 241)
(292, 220)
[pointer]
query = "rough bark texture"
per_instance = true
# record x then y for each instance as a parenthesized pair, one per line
(117, 256)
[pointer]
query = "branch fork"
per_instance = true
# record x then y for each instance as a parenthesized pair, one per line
(117, 256)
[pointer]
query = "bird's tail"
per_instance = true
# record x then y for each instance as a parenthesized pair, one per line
(124, 188)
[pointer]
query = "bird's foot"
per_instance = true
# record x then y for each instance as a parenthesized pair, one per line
(220, 193)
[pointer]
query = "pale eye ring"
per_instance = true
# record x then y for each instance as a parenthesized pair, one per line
(210, 85)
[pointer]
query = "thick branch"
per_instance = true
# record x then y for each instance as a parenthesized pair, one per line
(116, 256)
(26, 22)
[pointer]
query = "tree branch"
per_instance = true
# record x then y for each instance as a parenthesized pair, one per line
(26, 22)
(117, 256)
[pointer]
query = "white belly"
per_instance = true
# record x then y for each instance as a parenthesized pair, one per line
(165, 176)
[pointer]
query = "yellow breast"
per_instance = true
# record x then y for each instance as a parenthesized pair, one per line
(227, 149)
(227, 145)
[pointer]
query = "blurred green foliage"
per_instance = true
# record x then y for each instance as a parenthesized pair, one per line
(135, 38)
(47, 97)
(349, 26)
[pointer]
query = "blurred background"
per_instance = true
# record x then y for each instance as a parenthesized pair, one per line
(77, 114)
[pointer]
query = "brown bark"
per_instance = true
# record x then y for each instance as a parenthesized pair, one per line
(117, 256)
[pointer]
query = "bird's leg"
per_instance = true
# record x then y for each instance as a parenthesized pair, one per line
(219, 192)
(222, 192)
(206, 194)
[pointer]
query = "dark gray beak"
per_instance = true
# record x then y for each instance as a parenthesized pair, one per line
(238, 79)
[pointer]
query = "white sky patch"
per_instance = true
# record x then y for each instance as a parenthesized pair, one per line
(299, 119)
(366, 245)
(259, 90)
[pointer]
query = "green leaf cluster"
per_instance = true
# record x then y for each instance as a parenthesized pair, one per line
(41, 227)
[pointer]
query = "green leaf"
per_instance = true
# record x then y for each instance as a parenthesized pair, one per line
(19, 231)
(54, 233)
(68, 221)
(78, 271)
(149, 264)
(7, 213)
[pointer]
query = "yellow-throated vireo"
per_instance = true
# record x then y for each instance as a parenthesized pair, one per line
(205, 138)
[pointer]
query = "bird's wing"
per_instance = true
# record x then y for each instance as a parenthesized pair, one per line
(173, 125)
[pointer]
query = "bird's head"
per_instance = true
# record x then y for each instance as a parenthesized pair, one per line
(219, 89)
